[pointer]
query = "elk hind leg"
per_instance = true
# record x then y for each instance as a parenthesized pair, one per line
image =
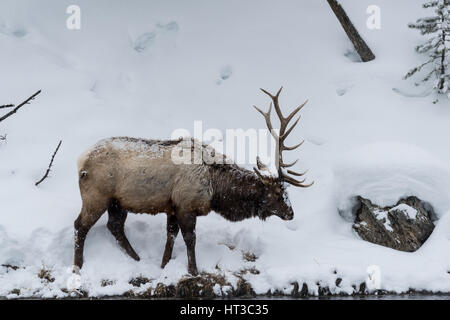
(116, 224)
(187, 225)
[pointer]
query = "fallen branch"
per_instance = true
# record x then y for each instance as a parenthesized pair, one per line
(9, 114)
(50, 165)
(360, 45)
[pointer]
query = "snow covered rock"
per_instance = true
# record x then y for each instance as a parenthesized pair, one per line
(405, 226)
(387, 171)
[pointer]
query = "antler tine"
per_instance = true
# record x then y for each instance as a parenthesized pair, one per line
(289, 130)
(292, 180)
(288, 165)
(297, 174)
(297, 183)
(293, 113)
(283, 147)
(266, 116)
(302, 185)
(270, 95)
(262, 112)
(276, 104)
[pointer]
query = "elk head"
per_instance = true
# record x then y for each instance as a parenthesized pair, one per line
(276, 201)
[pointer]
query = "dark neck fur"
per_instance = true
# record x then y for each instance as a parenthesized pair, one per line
(237, 192)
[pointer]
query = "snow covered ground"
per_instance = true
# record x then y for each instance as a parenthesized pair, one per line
(146, 68)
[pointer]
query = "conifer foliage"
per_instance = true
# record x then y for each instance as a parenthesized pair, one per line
(437, 29)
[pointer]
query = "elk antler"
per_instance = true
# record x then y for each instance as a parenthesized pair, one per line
(280, 139)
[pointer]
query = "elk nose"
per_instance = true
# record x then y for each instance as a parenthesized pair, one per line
(290, 215)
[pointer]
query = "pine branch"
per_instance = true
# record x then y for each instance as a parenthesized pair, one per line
(9, 114)
(430, 4)
(416, 69)
(50, 165)
(6, 106)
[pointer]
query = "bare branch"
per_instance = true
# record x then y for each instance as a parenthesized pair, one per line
(50, 165)
(9, 114)
(6, 106)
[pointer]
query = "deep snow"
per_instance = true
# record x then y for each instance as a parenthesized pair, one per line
(146, 68)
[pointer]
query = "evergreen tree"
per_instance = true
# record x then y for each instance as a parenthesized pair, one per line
(437, 46)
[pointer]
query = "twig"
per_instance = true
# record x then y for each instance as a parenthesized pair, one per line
(3, 137)
(6, 106)
(9, 114)
(50, 165)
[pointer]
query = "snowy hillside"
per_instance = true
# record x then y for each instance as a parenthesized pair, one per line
(145, 68)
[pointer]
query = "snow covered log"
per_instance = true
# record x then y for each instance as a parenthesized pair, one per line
(405, 226)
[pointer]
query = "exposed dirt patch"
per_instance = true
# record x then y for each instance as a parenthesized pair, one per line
(46, 275)
(139, 281)
(10, 267)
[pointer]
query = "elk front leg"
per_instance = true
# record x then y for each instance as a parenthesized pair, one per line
(187, 225)
(172, 232)
(81, 232)
(116, 224)
(87, 218)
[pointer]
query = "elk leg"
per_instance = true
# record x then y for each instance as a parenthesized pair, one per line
(116, 224)
(172, 232)
(187, 226)
(83, 224)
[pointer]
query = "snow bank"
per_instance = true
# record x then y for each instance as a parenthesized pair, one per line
(385, 172)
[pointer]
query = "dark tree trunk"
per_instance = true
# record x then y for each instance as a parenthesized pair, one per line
(444, 53)
(360, 45)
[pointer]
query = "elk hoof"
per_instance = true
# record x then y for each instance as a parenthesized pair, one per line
(133, 254)
(163, 264)
(193, 272)
(136, 257)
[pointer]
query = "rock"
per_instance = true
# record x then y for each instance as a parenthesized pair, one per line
(405, 226)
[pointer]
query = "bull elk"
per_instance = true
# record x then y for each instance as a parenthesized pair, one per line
(122, 175)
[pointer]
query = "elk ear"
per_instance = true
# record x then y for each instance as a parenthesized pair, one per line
(264, 179)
